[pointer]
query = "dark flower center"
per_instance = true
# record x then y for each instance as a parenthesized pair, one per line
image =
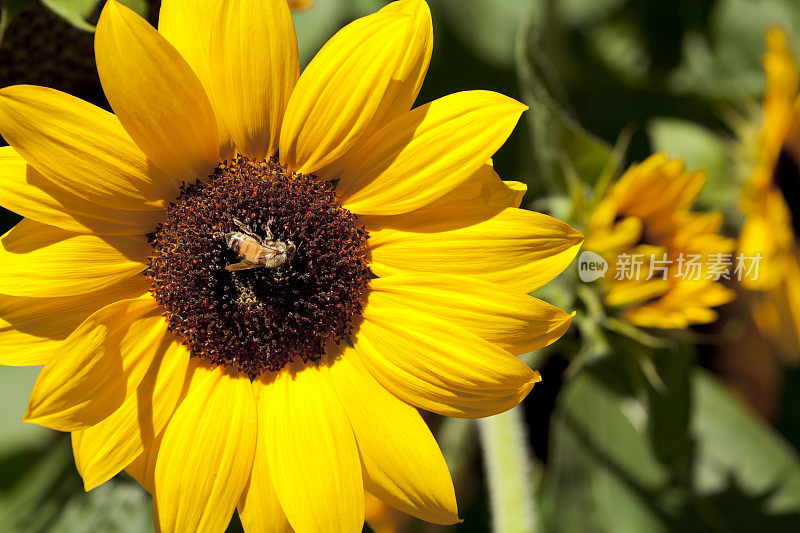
(257, 267)
(786, 176)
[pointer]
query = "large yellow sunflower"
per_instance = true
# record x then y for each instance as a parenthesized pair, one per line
(660, 254)
(771, 202)
(388, 265)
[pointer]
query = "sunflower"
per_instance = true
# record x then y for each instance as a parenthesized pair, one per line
(244, 282)
(659, 252)
(771, 202)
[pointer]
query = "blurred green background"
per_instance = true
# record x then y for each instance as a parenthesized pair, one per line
(709, 443)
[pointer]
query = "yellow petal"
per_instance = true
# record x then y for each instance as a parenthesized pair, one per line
(407, 79)
(206, 455)
(259, 509)
(686, 302)
(778, 314)
(313, 458)
(26, 192)
(410, 71)
(368, 73)
(768, 234)
(136, 469)
(43, 261)
(517, 249)
(111, 445)
(479, 198)
(433, 364)
(76, 438)
(155, 94)
(657, 187)
(33, 329)
(143, 467)
(99, 365)
(427, 152)
(635, 291)
(515, 322)
(623, 234)
(187, 24)
(518, 189)
(780, 92)
(255, 65)
(402, 463)
(82, 149)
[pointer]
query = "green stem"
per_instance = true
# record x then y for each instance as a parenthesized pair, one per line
(510, 472)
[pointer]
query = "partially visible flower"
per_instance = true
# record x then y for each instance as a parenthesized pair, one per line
(284, 390)
(659, 252)
(300, 4)
(771, 202)
(383, 518)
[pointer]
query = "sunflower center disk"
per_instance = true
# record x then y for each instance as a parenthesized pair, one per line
(257, 267)
(786, 176)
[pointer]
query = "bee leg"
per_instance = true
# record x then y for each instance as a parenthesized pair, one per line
(268, 237)
(242, 226)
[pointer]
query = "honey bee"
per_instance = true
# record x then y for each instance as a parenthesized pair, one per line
(256, 252)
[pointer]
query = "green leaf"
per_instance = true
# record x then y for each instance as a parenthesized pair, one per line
(78, 12)
(41, 492)
(726, 63)
(699, 148)
(10, 9)
(601, 474)
(117, 506)
(586, 12)
(738, 28)
(140, 6)
(29, 480)
(626, 457)
(316, 25)
(16, 384)
(563, 150)
(487, 27)
(735, 446)
(73, 11)
(623, 48)
(15, 6)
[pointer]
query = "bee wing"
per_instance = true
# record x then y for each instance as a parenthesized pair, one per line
(244, 265)
(274, 255)
(242, 226)
(249, 232)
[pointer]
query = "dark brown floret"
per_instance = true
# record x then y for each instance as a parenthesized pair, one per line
(258, 320)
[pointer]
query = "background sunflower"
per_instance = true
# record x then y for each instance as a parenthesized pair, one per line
(631, 429)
